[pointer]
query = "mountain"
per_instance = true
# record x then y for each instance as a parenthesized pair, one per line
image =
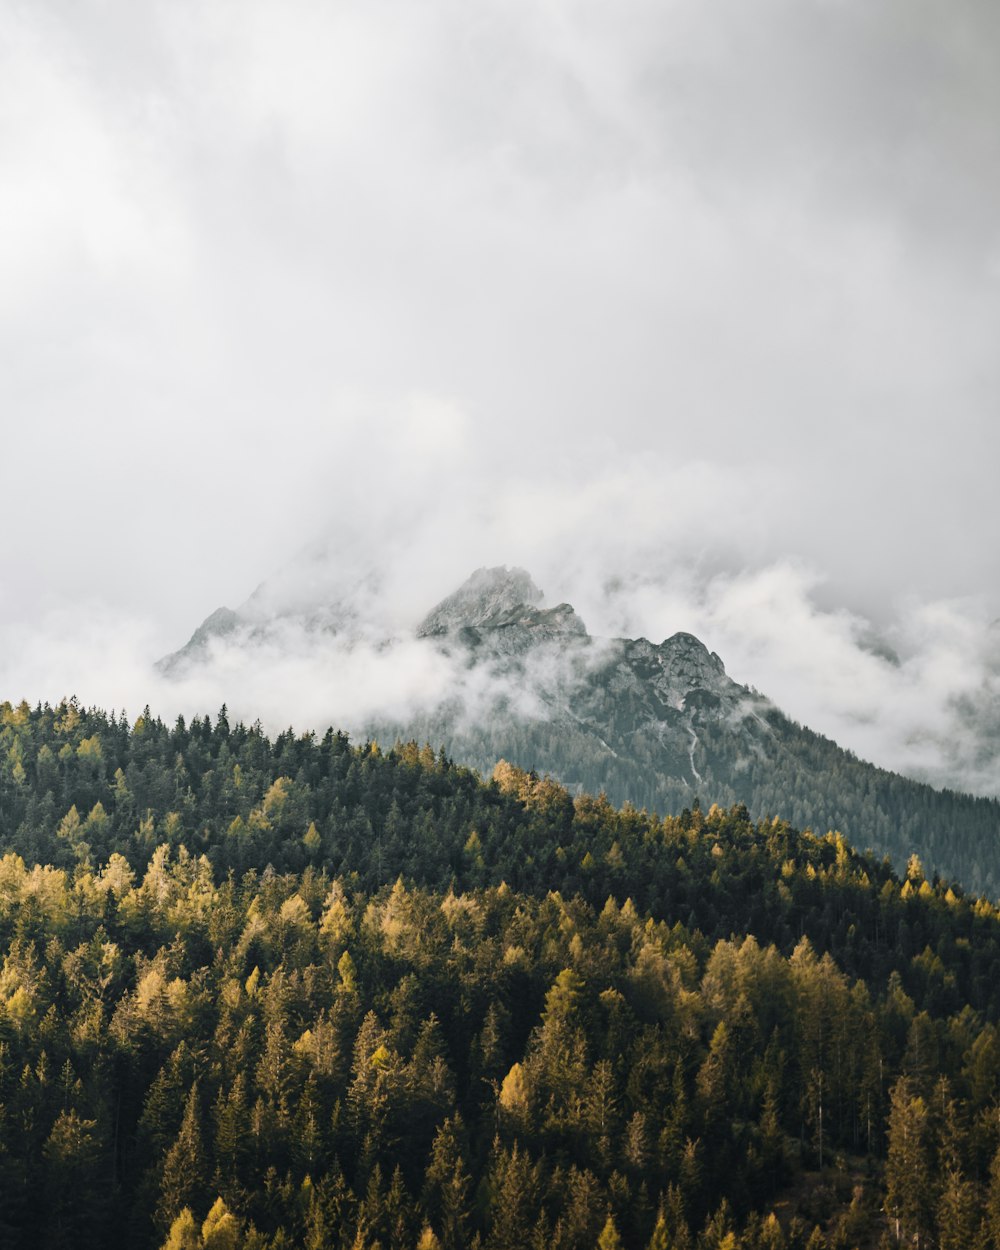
(622, 715)
(658, 725)
(311, 597)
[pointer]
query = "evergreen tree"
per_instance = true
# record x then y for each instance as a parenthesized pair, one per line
(448, 1186)
(609, 1239)
(908, 1174)
(185, 1168)
(221, 1229)
(183, 1233)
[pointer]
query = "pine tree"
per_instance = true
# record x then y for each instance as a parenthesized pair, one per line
(448, 1185)
(231, 1124)
(514, 1184)
(185, 1167)
(221, 1229)
(74, 1184)
(183, 1233)
(958, 1213)
(609, 1239)
(993, 1202)
(908, 1174)
(660, 1240)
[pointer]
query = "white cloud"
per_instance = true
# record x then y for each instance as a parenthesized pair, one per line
(637, 299)
(917, 693)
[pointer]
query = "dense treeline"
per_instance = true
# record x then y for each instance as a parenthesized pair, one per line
(771, 764)
(304, 994)
(815, 784)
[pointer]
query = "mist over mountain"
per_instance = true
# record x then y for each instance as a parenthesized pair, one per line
(656, 724)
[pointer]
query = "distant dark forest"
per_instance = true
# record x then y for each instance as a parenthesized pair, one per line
(300, 993)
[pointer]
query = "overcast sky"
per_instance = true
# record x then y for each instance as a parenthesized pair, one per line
(704, 297)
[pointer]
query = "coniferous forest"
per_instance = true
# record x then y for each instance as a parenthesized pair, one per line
(303, 993)
(806, 778)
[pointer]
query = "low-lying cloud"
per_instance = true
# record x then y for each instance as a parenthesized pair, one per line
(330, 638)
(918, 693)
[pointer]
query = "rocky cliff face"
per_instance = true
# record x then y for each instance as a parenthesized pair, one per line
(489, 599)
(549, 696)
(497, 612)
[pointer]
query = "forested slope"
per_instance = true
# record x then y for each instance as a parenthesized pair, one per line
(300, 993)
(780, 768)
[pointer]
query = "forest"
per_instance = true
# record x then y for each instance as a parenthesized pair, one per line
(302, 993)
(772, 764)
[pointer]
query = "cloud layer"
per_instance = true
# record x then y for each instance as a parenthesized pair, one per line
(917, 693)
(690, 310)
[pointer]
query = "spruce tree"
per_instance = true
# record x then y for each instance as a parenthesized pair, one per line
(185, 1167)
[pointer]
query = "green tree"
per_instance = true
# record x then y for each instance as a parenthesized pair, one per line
(448, 1186)
(958, 1213)
(609, 1239)
(221, 1229)
(513, 1187)
(908, 1173)
(74, 1188)
(183, 1233)
(185, 1168)
(993, 1202)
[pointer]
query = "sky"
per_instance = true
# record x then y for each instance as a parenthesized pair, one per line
(689, 308)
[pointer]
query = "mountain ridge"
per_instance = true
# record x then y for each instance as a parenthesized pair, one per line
(652, 724)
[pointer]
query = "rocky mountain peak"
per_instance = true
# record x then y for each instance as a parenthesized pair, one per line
(220, 624)
(678, 670)
(487, 599)
(690, 655)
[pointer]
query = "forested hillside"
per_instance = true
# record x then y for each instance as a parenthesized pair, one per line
(782, 769)
(299, 993)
